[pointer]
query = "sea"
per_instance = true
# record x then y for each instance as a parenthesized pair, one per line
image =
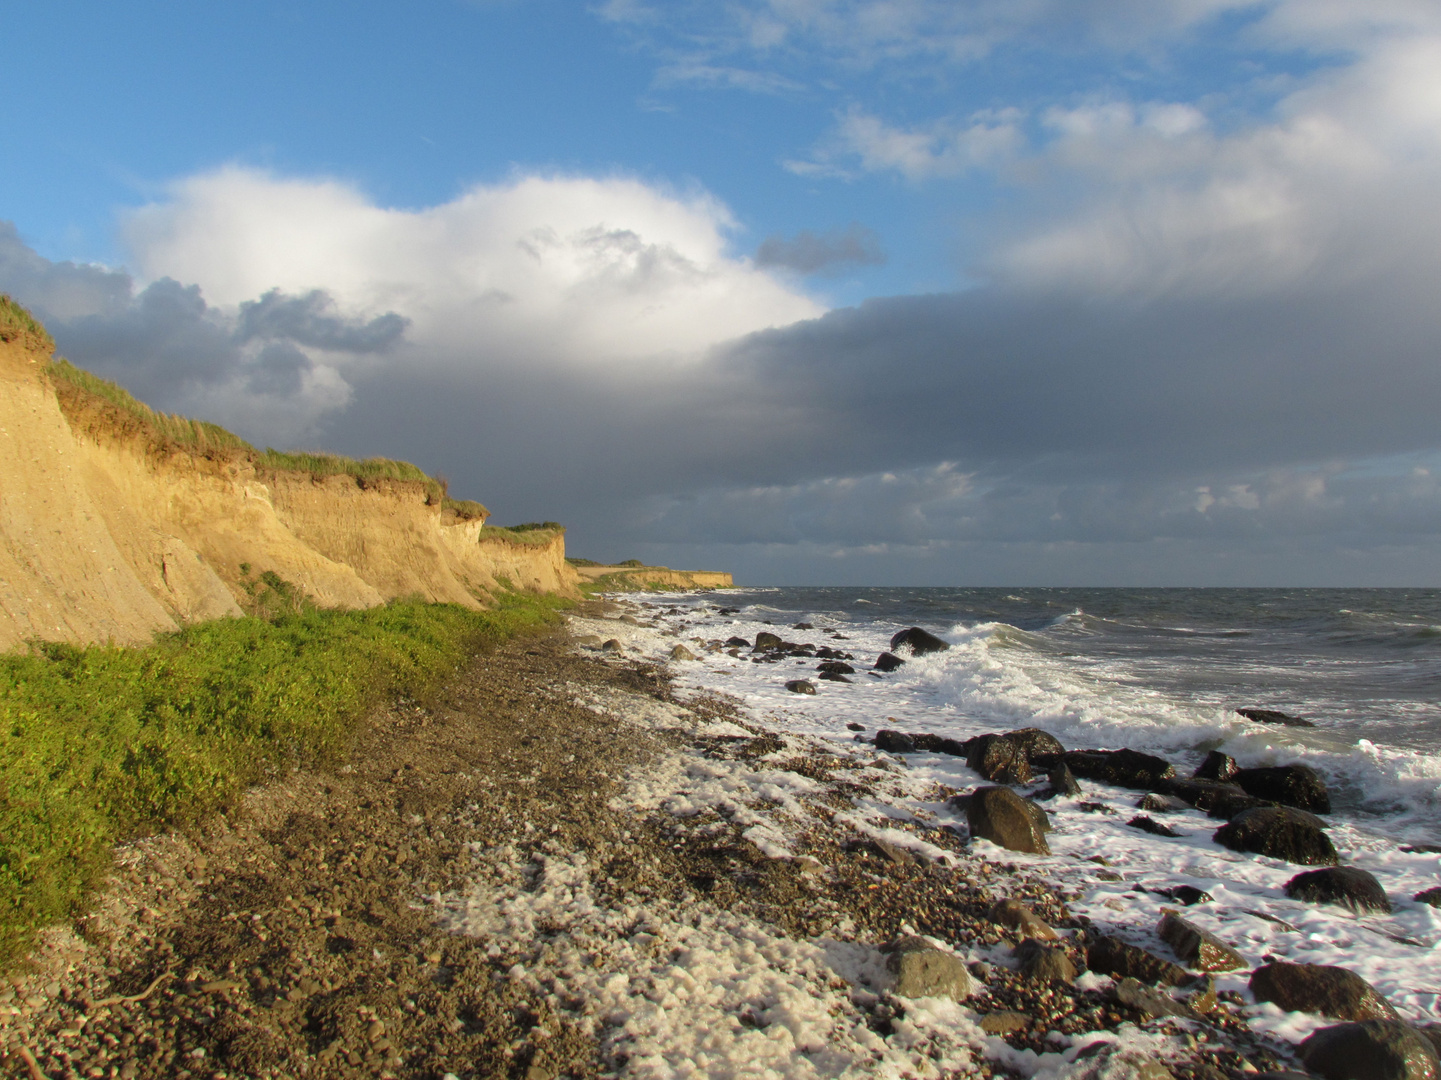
(1161, 671)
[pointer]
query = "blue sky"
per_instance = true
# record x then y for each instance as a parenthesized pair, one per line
(1097, 291)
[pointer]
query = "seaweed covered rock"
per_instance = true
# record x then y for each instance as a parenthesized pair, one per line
(1290, 785)
(1346, 886)
(1320, 988)
(1001, 816)
(1280, 833)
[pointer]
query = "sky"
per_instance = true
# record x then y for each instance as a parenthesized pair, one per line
(861, 292)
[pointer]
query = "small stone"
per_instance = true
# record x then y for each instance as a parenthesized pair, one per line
(853, 726)
(922, 970)
(801, 686)
(1430, 896)
(1150, 825)
(1370, 1050)
(1151, 1002)
(1044, 963)
(1014, 915)
(1198, 948)
(1185, 894)
(680, 652)
(1004, 1022)
(613, 646)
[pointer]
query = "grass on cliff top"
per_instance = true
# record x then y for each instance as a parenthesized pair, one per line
(200, 435)
(537, 533)
(101, 744)
(14, 320)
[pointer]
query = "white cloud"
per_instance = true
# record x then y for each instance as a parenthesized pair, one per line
(559, 271)
(942, 149)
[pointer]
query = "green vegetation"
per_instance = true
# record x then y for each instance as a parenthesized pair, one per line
(102, 744)
(631, 562)
(536, 533)
(15, 321)
(466, 509)
(575, 560)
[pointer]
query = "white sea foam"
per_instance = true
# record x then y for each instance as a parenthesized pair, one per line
(991, 680)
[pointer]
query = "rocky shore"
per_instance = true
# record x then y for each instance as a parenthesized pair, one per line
(558, 865)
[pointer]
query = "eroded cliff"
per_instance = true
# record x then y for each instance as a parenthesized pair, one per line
(109, 532)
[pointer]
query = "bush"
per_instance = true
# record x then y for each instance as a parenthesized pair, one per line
(103, 744)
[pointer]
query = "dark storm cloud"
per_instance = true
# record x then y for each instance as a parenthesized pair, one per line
(312, 319)
(810, 253)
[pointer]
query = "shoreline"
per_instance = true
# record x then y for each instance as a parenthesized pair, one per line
(556, 867)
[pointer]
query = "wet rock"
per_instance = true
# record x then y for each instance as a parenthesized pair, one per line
(1185, 894)
(1370, 1050)
(801, 686)
(1272, 716)
(1004, 1022)
(1035, 743)
(1320, 988)
(1001, 816)
(918, 641)
(1150, 825)
(831, 676)
(802, 626)
(853, 726)
(1346, 886)
(766, 640)
(1157, 803)
(1063, 781)
(922, 970)
(1290, 785)
(894, 742)
(1121, 768)
(680, 652)
(1430, 896)
(1150, 1001)
(1202, 794)
(938, 744)
(836, 667)
(1016, 916)
(1044, 963)
(1217, 766)
(613, 646)
(998, 759)
(887, 662)
(1197, 948)
(737, 643)
(1278, 832)
(1111, 956)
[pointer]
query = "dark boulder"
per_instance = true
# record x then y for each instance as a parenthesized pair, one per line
(1347, 886)
(802, 626)
(1152, 826)
(737, 643)
(1036, 744)
(1114, 957)
(887, 662)
(1120, 768)
(1185, 894)
(1271, 716)
(832, 676)
(1320, 988)
(1001, 816)
(1199, 949)
(766, 640)
(1370, 1050)
(1204, 795)
(801, 686)
(1289, 785)
(1280, 833)
(894, 742)
(1430, 896)
(853, 726)
(1217, 766)
(938, 744)
(918, 641)
(836, 667)
(998, 759)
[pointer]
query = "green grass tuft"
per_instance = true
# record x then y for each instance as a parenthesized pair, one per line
(101, 744)
(15, 322)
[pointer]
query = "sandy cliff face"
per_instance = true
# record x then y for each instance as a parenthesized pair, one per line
(102, 537)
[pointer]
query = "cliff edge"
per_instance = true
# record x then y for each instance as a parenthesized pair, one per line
(114, 527)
